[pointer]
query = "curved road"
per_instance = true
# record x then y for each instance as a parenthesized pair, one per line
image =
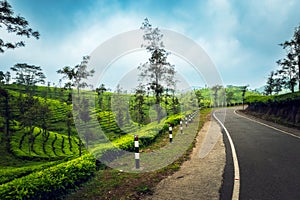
(268, 159)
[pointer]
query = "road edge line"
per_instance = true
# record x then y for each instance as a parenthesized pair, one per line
(236, 183)
(269, 126)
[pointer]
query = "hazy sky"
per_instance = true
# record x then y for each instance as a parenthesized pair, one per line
(240, 37)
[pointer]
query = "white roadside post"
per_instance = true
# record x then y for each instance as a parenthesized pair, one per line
(181, 128)
(136, 154)
(170, 133)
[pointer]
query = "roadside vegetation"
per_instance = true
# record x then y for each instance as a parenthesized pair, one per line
(283, 109)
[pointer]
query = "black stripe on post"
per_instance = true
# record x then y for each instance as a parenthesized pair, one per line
(136, 154)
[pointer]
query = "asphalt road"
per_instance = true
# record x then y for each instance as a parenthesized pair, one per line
(269, 160)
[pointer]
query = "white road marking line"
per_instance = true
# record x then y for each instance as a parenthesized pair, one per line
(236, 183)
(277, 129)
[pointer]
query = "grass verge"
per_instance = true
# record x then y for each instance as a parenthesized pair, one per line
(113, 184)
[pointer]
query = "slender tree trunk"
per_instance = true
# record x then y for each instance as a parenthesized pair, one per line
(157, 102)
(157, 97)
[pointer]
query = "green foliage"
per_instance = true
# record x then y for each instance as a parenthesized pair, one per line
(14, 24)
(253, 99)
(144, 189)
(51, 182)
(10, 173)
(20, 147)
(147, 135)
(273, 98)
(281, 109)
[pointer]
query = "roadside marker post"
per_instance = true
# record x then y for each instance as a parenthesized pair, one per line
(170, 133)
(181, 128)
(136, 154)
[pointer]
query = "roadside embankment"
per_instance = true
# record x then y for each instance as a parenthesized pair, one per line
(281, 109)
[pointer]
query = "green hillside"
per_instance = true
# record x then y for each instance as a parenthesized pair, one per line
(41, 153)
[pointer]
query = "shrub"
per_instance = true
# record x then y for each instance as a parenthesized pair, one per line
(51, 182)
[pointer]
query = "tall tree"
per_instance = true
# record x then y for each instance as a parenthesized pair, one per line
(119, 105)
(288, 73)
(28, 76)
(139, 105)
(100, 91)
(199, 97)
(243, 90)
(274, 84)
(7, 77)
(29, 119)
(81, 73)
(2, 78)
(75, 76)
(270, 84)
(215, 89)
(157, 71)
(7, 137)
(68, 75)
(75, 79)
(175, 106)
(29, 106)
(14, 24)
(5, 99)
(229, 96)
(291, 64)
(85, 116)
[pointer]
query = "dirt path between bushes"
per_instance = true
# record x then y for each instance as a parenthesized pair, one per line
(201, 176)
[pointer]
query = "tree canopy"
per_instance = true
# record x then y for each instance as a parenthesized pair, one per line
(157, 72)
(14, 24)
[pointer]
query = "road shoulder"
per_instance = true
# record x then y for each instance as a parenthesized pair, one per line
(201, 176)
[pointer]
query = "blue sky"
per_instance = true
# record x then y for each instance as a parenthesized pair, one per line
(240, 37)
